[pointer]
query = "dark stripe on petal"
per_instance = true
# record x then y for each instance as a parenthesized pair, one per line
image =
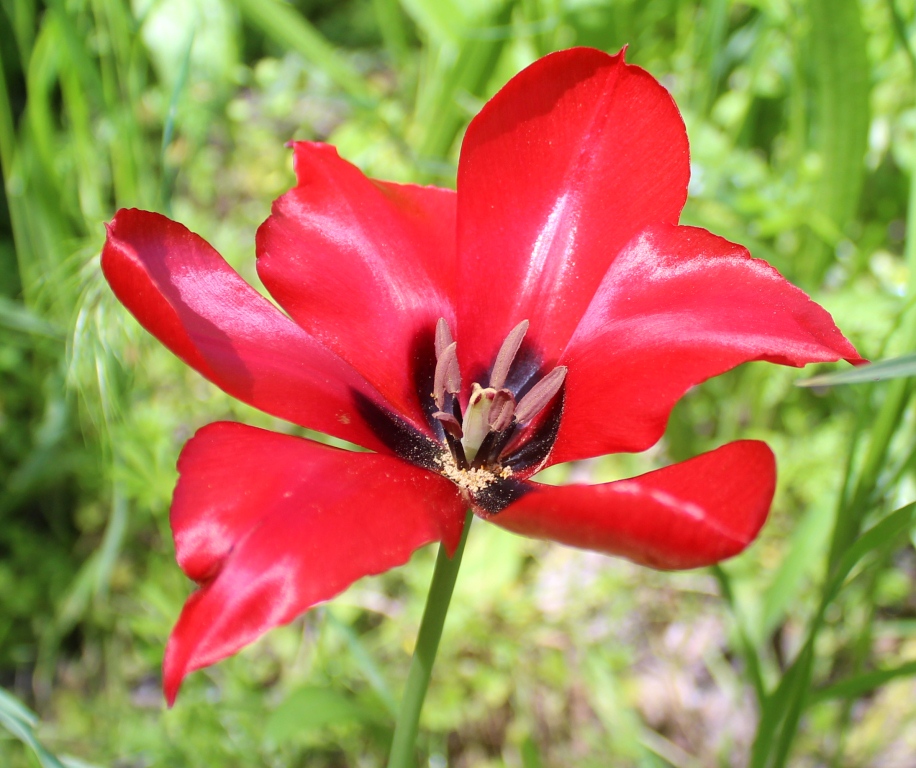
(493, 445)
(496, 497)
(423, 373)
(527, 370)
(401, 438)
(457, 450)
(534, 452)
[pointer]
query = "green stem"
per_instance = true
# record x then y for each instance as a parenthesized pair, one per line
(403, 750)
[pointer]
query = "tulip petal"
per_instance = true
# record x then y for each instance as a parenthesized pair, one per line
(367, 267)
(678, 306)
(184, 293)
(687, 515)
(572, 158)
(272, 524)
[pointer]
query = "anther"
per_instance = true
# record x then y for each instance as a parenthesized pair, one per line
(477, 435)
(540, 395)
(502, 410)
(506, 355)
(449, 423)
(443, 336)
(447, 378)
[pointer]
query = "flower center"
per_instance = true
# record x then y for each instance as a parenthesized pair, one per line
(478, 436)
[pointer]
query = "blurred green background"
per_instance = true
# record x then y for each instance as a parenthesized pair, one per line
(801, 652)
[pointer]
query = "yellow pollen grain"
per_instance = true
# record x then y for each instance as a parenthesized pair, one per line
(471, 480)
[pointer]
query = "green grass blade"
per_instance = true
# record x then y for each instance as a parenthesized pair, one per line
(21, 14)
(41, 78)
(443, 21)
(289, 29)
(7, 127)
(840, 61)
(900, 31)
(880, 537)
(365, 662)
(748, 650)
(168, 130)
(863, 684)
(393, 27)
(531, 755)
(806, 550)
(458, 73)
(18, 720)
(312, 707)
(884, 426)
(16, 317)
(893, 368)
(782, 710)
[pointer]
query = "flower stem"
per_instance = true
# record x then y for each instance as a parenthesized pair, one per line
(403, 750)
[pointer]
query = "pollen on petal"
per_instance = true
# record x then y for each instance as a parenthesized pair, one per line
(472, 480)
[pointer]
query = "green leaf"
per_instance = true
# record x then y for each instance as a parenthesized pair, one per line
(748, 648)
(838, 55)
(859, 685)
(441, 20)
(291, 30)
(17, 317)
(882, 535)
(806, 550)
(313, 707)
(20, 721)
(365, 662)
(392, 24)
(894, 368)
(459, 71)
(782, 710)
(531, 755)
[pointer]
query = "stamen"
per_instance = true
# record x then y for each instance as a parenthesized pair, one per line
(443, 336)
(506, 355)
(501, 411)
(540, 395)
(448, 376)
(449, 423)
(477, 437)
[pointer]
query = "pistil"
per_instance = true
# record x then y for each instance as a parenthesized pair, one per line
(486, 408)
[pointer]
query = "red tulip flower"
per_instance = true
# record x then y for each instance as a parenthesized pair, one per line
(549, 310)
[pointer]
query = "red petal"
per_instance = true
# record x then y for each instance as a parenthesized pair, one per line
(687, 515)
(571, 159)
(184, 293)
(366, 267)
(678, 306)
(274, 524)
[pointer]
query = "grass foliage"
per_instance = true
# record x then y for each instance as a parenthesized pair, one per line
(801, 652)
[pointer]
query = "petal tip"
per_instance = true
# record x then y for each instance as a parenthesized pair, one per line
(172, 675)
